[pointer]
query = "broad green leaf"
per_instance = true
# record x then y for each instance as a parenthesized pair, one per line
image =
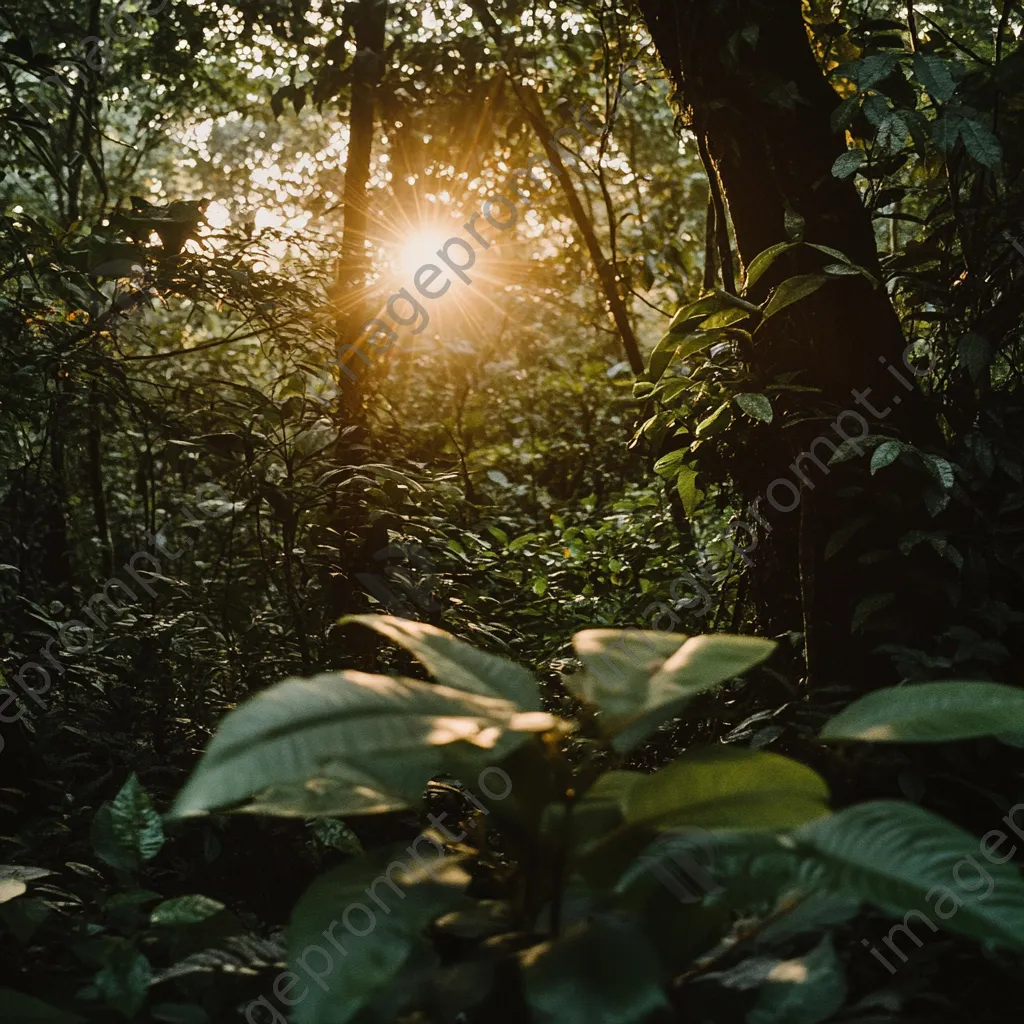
(604, 971)
(716, 422)
(908, 862)
(755, 405)
(703, 662)
(762, 261)
(930, 713)
(794, 289)
(22, 1009)
(619, 665)
(381, 737)
(124, 979)
(668, 465)
(946, 130)
(974, 353)
(981, 143)
(885, 455)
(639, 679)
(699, 310)
(892, 133)
(847, 164)
(686, 486)
(185, 910)
(873, 69)
(724, 318)
(867, 607)
(357, 939)
(934, 74)
(728, 788)
(135, 821)
(805, 990)
(456, 663)
(127, 831)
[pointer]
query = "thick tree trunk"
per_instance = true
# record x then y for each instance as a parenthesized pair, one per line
(745, 72)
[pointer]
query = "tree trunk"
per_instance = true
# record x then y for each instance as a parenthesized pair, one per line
(745, 72)
(353, 268)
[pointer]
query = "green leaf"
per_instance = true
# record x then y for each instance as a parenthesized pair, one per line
(946, 130)
(456, 663)
(185, 910)
(842, 117)
(885, 455)
(867, 607)
(806, 990)
(728, 788)
(901, 858)
(873, 69)
(934, 74)
(604, 971)
(21, 1009)
(686, 486)
(847, 164)
(941, 469)
(794, 289)
(930, 713)
(718, 421)
(975, 354)
(356, 940)
(892, 133)
(373, 740)
(127, 831)
(755, 405)
(124, 979)
(762, 261)
(981, 143)
(641, 678)
(619, 665)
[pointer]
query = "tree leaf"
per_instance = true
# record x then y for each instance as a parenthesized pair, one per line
(974, 353)
(455, 663)
(686, 486)
(805, 990)
(981, 143)
(762, 261)
(934, 74)
(794, 289)
(619, 665)
(885, 455)
(128, 831)
(755, 405)
(124, 979)
(616, 960)
(728, 788)
(930, 713)
(185, 910)
(899, 857)
(376, 740)
(867, 607)
(848, 163)
(716, 422)
(356, 939)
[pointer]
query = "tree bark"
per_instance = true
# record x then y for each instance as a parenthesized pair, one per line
(745, 73)
(353, 269)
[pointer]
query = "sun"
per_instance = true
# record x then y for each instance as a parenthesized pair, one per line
(419, 247)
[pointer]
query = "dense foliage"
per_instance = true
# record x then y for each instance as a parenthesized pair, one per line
(646, 596)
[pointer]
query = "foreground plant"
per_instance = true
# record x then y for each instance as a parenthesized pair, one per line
(600, 888)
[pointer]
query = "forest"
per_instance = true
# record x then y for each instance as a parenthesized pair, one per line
(511, 512)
